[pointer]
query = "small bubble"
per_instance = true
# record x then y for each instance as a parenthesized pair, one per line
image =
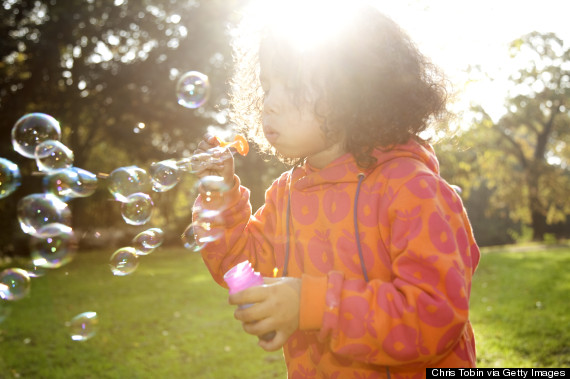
(125, 181)
(14, 284)
(31, 130)
(124, 261)
(54, 250)
(192, 89)
(70, 183)
(145, 242)
(10, 177)
(83, 326)
(53, 155)
(38, 210)
(164, 175)
(137, 209)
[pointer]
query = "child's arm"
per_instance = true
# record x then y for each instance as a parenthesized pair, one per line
(238, 236)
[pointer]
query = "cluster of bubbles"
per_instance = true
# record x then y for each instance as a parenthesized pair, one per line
(46, 216)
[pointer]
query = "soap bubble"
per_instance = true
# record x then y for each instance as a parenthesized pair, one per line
(55, 250)
(31, 130)
(33, 270)
(214, 183)
(53, 155)
(125, 181)
(145, 242)
(124, 261)
(188, 239)
(83, 326)
(192, 89)
(38, 210)
(14, 284)
(205, 229)
(70, 183)
(137, 209)
(164, 175)
(10, 177)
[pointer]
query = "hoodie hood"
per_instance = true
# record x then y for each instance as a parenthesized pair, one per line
(345, 169)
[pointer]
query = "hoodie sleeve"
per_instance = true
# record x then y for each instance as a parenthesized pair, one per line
(231, 234)
(419, 315)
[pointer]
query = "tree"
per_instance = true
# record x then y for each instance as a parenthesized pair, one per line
(107, 71)
(524, 157)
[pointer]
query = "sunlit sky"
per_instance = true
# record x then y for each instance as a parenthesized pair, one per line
(457, 33)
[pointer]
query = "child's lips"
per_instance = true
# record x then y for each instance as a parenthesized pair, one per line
(270, 134)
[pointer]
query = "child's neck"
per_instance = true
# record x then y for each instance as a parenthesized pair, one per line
(324, 157)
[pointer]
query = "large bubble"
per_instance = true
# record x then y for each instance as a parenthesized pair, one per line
(53, 155)
(70, 183)
(164, 175)
(192, 89)
(10, 177)
(137, 209)
(31, 130)
(38, 210)
(145, 242)
(14, 284)
(125, 181)
(55, 250)
(83, 326)
(124, 261)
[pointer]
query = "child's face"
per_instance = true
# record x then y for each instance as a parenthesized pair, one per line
(294, 130)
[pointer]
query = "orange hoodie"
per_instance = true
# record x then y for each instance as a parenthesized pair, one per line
(403, 306)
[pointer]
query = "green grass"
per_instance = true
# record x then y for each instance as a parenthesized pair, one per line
(170, 320)
(520, 308)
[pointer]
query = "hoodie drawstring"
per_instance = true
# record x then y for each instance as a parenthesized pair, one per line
(361, 177)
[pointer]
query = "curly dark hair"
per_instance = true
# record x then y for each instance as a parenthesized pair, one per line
(375, 86)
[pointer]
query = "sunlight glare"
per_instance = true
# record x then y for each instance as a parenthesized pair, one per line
(295, 19)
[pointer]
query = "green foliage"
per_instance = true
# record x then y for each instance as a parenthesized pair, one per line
(523, 158)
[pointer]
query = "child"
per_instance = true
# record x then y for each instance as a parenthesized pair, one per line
(373, 249)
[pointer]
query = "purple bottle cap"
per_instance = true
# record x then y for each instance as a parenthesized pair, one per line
(241, 277)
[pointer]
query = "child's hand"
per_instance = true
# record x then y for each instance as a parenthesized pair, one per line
(276, 308)
(210, 159)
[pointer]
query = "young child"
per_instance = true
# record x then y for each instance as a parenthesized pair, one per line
(373, 249)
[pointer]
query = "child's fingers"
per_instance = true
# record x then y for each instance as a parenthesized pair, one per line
(273, 344)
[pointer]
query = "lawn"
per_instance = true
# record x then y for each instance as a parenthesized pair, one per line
(169, 320)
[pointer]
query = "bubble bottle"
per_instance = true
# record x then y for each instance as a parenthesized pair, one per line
(241, 277)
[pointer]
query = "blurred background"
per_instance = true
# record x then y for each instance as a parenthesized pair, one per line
(107, 70)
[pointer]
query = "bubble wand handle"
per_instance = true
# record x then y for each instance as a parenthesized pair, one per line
(241, 277)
